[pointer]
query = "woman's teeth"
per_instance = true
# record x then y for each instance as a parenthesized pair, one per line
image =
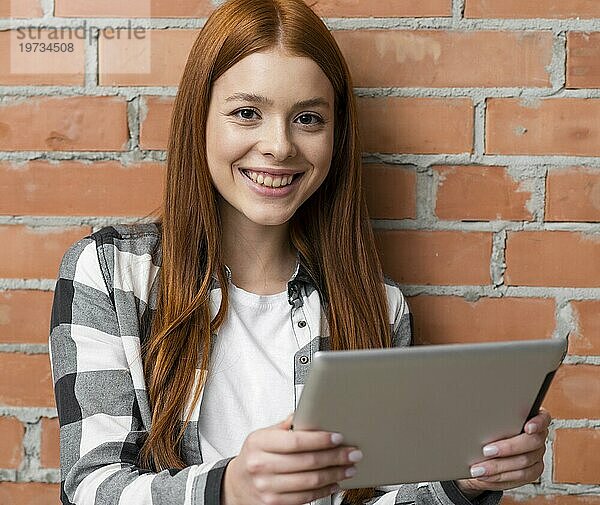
(268, 180)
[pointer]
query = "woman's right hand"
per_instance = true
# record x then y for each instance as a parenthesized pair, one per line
(279, 466)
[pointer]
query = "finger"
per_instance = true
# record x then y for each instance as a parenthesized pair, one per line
(302, 481)
(538, 423)
(302, 497)
(286, 424)
(522, 475)
(273, 463)
(285, 441)
(518, 444)
(503, 465)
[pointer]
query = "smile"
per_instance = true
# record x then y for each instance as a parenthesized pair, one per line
(267, 185)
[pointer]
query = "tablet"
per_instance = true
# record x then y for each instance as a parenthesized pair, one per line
(424, 413)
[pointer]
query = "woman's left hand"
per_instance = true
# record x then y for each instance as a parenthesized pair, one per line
(518, 460)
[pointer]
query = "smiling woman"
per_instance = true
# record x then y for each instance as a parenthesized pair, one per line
(179, 347)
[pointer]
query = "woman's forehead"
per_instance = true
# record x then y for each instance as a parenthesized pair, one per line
(274, 76)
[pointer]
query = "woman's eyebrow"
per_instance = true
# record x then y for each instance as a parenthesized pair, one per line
(253, 97)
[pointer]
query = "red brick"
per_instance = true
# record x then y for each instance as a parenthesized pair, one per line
(382, 8)
(11, 448)
(25, 380)
(28, 493)
(583, 55)
(50, 444)
(436, 58)
(20, 67)
(86, 189)
(28, 253)
(20, 9)
(416, 125)
(441, 319)
(154, 129)
(573, 194)
(574, 393)
(157, 59)
(577, 456)
(586, 339)
(538, 9)
(25, 316)
(520, 126)
(133, 8)
(435, 257)
(552, 499)
(480, 193)
(552, 258)
(390, 191)
(86, 123)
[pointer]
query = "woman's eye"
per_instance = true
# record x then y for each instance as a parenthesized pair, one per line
(318, 120)
(247, 114)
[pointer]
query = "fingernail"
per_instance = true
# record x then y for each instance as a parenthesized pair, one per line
(355, 456)
(531, 428)
(337, 438)
(490, 450)
(350, 472)
(477, 471)
(335, 489)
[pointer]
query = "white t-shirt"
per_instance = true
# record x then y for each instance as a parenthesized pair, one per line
(256, 335)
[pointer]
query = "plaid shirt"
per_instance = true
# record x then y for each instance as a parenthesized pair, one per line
(103, 302)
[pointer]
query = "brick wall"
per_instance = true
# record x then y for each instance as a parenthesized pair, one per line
(481, 123)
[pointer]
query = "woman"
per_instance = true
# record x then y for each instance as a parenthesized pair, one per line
(177, 347)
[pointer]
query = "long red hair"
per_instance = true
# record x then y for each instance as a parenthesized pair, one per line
(331, 230)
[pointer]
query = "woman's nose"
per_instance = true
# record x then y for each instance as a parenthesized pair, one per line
(277, 141)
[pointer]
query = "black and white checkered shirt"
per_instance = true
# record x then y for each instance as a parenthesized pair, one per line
(103, 302)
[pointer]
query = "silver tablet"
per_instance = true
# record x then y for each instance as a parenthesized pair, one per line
(424, 413)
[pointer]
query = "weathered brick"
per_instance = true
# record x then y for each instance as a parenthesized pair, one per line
(25, 316)
(573, 194)
(521, 126)
(586, 339)
(382, 8)
(133, 8)
(106, 188)
(87, 123)
(20, 66)
(552, 499)
(20, 9)
(416, 125)
(437, 58)
(442, 319)
(534, 9)
(50, 443)
(158, 59)
(390, 191)
(25, 380)
(577, 456)
(435, 257)
(574, 392)
(552, 258)
(11, 448)
(480, 193)
(583, 60)
(155, 122)
(28, 493)
(35, 252)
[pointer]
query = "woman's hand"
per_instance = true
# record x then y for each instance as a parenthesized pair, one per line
(276, 465)
(518, 461)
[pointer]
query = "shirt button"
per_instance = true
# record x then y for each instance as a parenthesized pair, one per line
(302, 324)
(304, 360)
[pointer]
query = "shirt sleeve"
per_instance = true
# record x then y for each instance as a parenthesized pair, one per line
(422, 493)
(101, 428)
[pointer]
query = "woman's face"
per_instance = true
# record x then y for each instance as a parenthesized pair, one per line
(257, 122)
